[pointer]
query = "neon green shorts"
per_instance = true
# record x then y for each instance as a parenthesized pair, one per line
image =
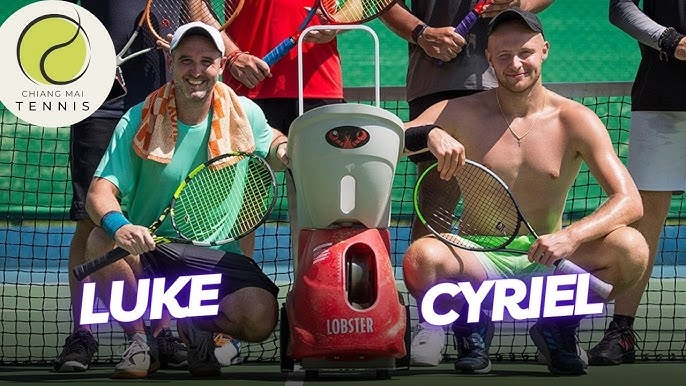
(500, 265)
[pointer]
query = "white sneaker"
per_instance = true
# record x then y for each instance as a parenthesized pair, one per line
(135, 361)
(227, 349)
(427, 345)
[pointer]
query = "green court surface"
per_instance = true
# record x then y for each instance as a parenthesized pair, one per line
(503, 374)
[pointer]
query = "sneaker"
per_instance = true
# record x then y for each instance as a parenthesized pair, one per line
(540, 358)
(227, 350)
(472, 342)
(77, 352)
(427, 345)
(558, 344)
(173, 353)
(201, 359)
(135, 361)
(617, 346)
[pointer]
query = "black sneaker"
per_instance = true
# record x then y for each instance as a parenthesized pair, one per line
(617, 346)
(472, 342)
(173, 353)
(77, 352)
(558, 344)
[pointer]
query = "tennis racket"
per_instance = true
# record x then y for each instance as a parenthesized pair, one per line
(335, 12)
(163, 17)
(220, 201)
(468, 21)
(476, 211)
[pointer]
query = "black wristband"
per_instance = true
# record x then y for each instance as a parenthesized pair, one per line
(417, 138)
(668, 42)
(418, 31)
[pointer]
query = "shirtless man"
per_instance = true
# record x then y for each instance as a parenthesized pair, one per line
(535, 140)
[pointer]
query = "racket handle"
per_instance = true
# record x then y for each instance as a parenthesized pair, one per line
(596, 285)
(279, 51)
(463, 28)
(83, 270)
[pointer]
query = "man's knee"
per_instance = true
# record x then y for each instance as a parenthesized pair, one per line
(632, 256)
(259, 320)
(423, 260)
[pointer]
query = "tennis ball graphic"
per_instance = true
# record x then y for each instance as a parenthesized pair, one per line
(53, 50)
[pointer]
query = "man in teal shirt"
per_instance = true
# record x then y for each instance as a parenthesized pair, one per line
(133, 173)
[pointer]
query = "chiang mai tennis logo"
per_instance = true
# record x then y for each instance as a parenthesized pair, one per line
(62, 63)
(54, 50)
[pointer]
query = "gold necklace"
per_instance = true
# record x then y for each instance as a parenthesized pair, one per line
(517, 137)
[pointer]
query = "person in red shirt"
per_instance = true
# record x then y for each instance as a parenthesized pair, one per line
(261, 26)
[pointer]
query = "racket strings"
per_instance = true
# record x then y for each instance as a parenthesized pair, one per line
(354, 11)
(165, 16)
(223, 203)
(473, 210)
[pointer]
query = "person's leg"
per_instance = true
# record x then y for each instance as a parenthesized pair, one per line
(656, 163)
(620, 259)
(618, 345)
(138, 359)
(247, 306)
(427, 262)
(426, 337)
(88, 141)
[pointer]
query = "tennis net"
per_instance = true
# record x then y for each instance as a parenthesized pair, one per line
(35, 233)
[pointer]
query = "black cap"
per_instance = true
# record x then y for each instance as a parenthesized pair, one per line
(530, 19)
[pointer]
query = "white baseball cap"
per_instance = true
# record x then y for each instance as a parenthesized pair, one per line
(197, 28)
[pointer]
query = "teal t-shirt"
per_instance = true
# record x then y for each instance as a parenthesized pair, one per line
(147, 186)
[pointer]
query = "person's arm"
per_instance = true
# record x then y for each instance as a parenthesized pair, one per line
(114, 178)
(104, 209)
(425, 133)
(277, 157)
(626, 15)
(245, 67)
(439, 42)
(623, 205)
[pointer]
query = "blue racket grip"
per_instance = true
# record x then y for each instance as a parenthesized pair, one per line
(596, 285)
(463, 28)
(467, 23)
(279, 51)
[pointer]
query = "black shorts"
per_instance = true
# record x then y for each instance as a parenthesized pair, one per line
(88, 142)
(173, 260)
(281, 112)
(419, 105)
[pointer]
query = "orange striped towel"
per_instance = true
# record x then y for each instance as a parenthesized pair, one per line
(156, 137)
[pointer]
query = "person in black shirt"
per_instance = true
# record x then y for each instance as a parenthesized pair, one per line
(657, 160)
(89, 139)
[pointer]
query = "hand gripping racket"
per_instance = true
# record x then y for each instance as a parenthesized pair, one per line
(476, 211)
(220, 201)
(163, 17)
(335, 12)
(468, 21)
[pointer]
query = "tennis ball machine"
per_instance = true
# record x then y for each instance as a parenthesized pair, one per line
(344, 310)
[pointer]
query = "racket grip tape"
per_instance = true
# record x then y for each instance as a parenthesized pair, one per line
(279, 51)
(596, 285)
(463, 28)
(83, 270)
(466, 24)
